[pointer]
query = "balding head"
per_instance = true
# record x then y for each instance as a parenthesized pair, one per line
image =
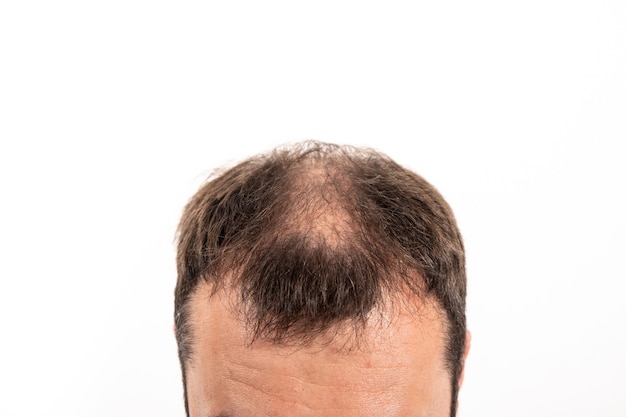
(316, 240)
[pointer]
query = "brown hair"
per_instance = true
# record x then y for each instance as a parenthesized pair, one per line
(317, 234)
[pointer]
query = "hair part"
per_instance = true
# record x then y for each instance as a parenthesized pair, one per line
(315, 235)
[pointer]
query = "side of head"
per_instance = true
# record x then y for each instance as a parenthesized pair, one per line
(318, 242)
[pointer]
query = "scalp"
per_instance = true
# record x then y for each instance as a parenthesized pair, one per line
(316, 235)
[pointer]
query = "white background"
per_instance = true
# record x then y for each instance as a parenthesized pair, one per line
(112, 113)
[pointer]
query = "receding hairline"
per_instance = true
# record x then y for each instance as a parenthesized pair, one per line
(311, 173)
(342, 337)
(387, 212)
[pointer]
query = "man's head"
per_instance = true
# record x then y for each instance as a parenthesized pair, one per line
(320, 280)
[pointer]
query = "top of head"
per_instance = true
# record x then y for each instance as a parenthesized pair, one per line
(315, 235)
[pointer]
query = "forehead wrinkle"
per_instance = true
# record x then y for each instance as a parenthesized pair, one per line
(247, 369)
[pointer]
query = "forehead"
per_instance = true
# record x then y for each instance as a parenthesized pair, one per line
(395, 367)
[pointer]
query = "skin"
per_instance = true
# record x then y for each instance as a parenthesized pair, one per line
(395, 368)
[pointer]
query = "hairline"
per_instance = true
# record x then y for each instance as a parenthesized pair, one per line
(343, 158)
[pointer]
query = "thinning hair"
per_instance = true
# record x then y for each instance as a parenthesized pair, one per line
(314, 235)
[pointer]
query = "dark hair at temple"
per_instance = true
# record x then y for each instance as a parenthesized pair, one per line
(314, 235)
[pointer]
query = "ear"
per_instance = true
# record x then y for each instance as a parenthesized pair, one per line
(468, 342)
